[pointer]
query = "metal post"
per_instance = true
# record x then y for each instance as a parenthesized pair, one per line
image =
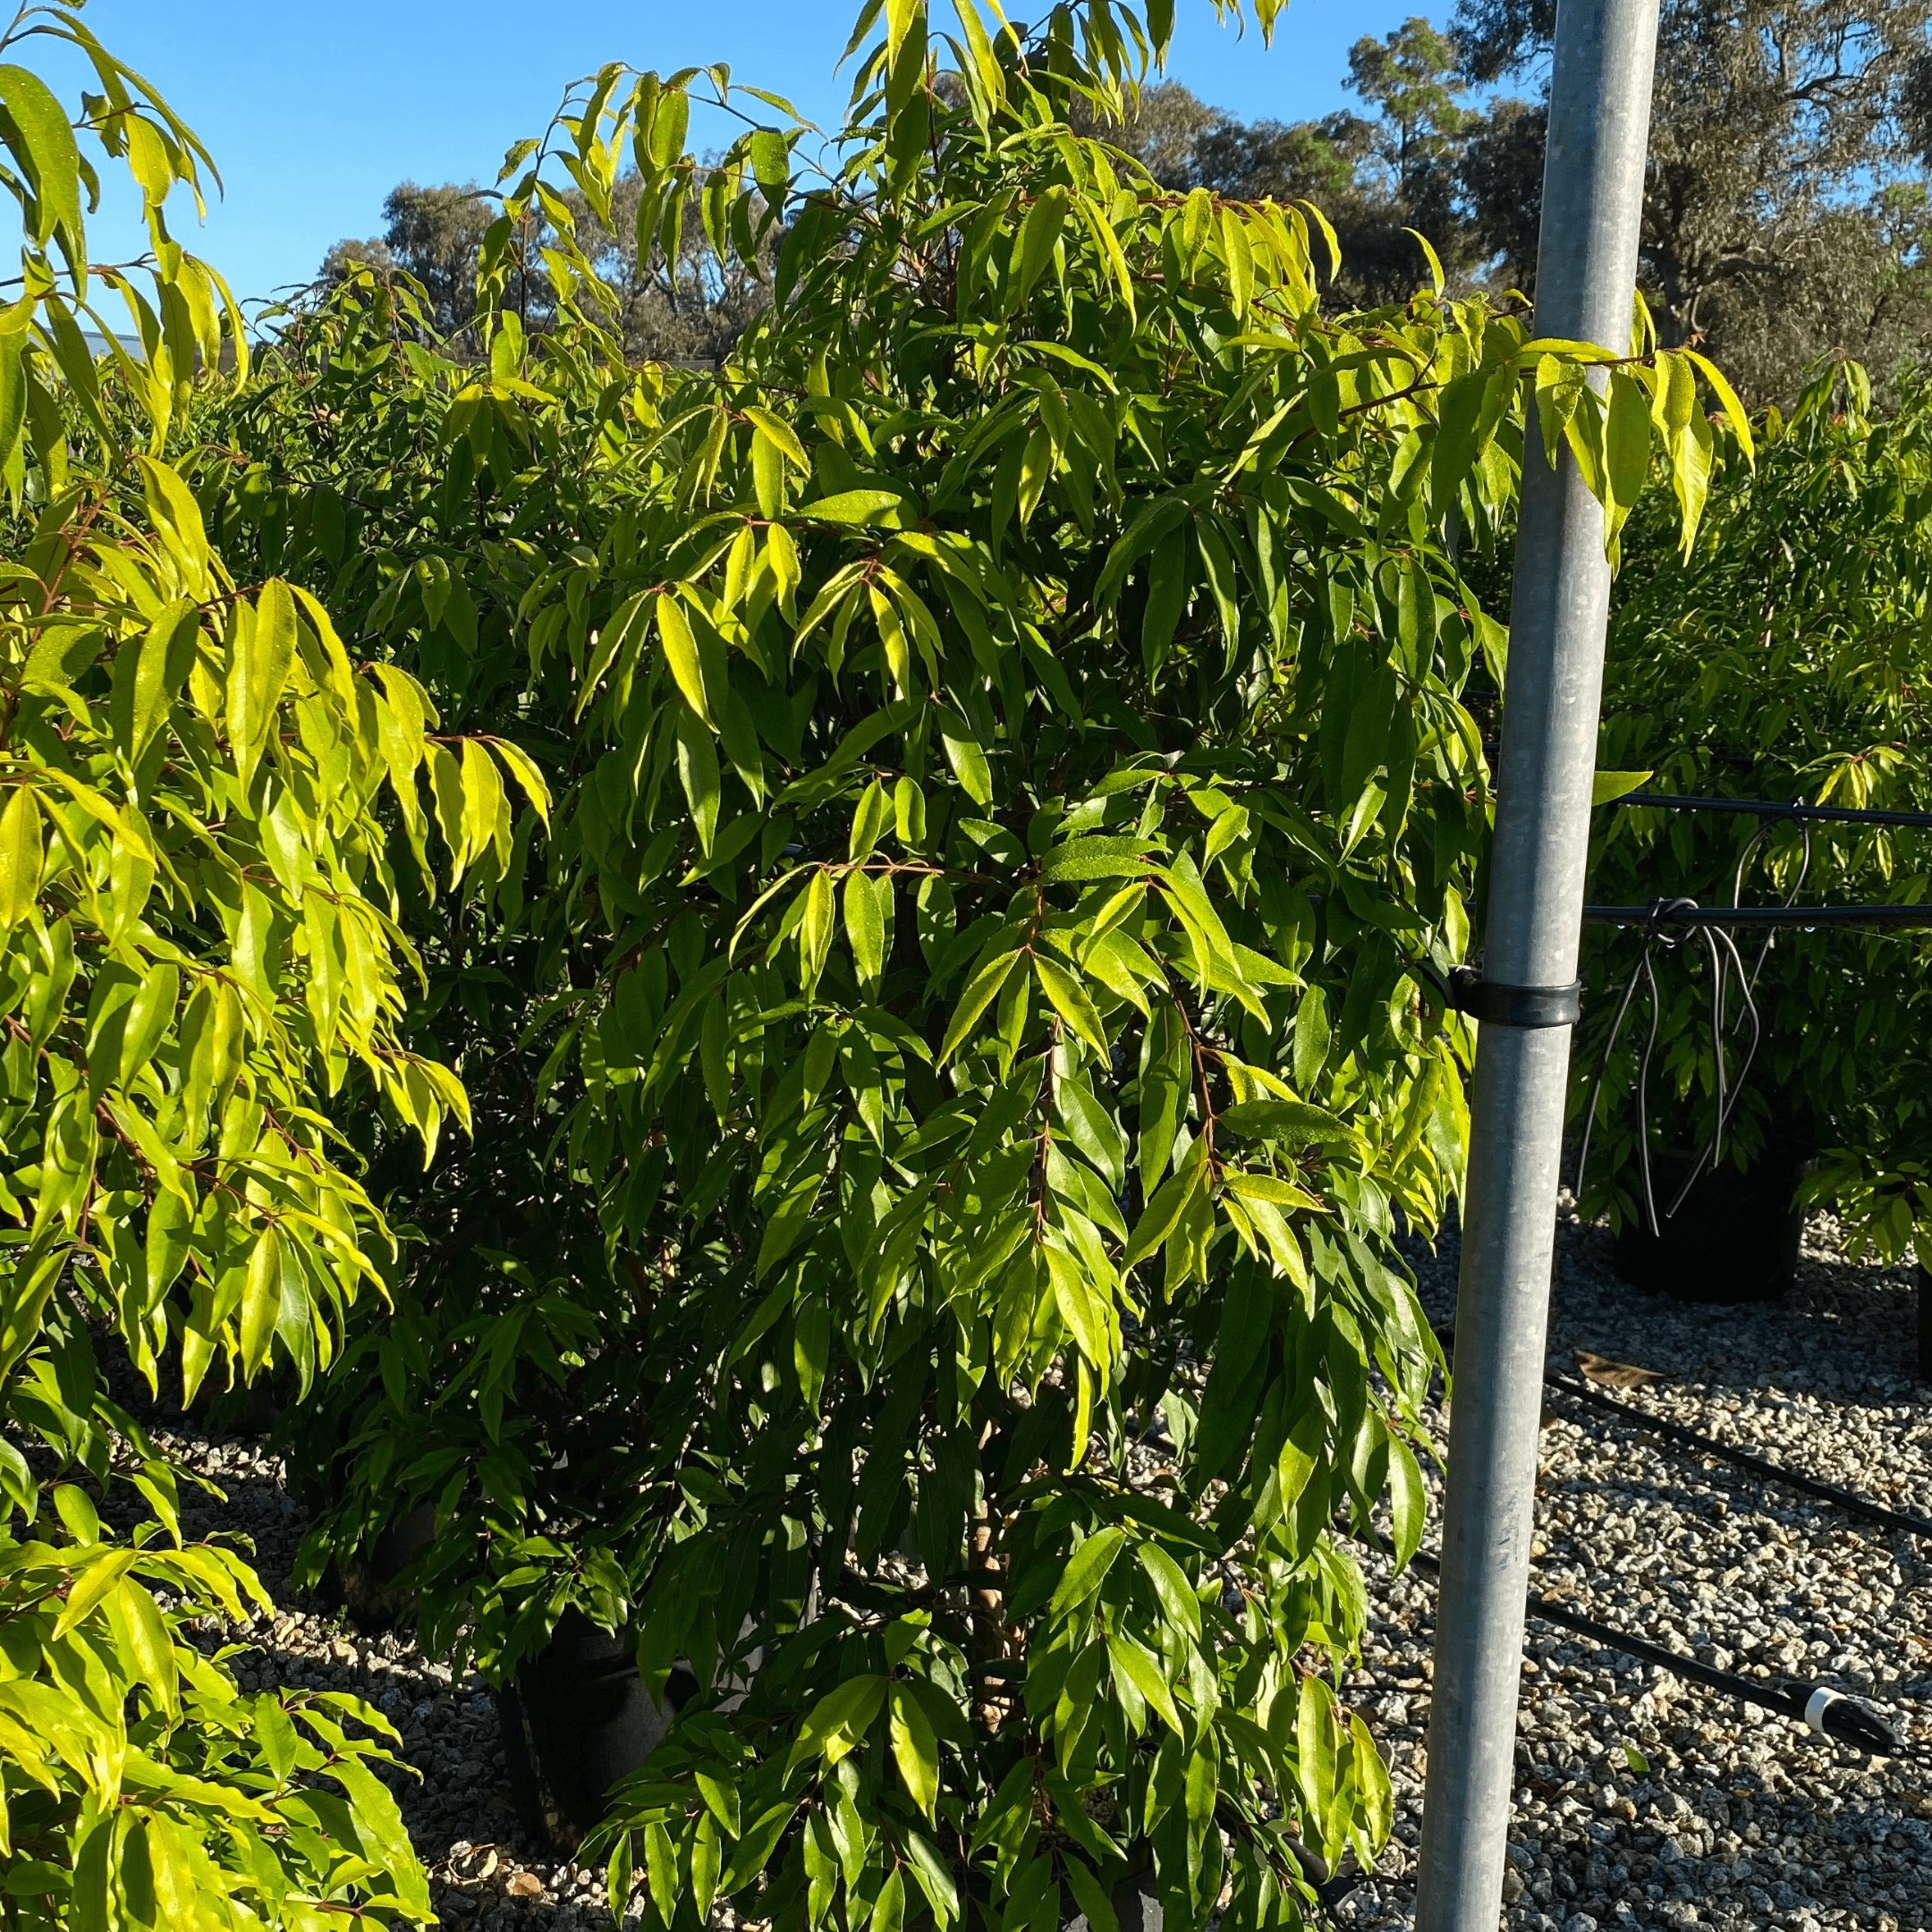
(1586, 269)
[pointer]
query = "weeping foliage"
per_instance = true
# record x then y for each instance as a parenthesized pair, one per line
(197, 948)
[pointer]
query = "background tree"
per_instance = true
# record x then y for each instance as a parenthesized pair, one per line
(434, 234)
(695, 311)
(1779, 129)
(1374, 177)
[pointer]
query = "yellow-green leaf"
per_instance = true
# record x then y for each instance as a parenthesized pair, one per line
(1609, 786)
(915, 1748)
(1072, 1000)
(21, 855)
(974, 1001)
(680, 653)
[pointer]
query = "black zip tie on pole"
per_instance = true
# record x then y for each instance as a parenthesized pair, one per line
(1527, 1007)
(1634, 1418)
(1766, 809)
(1463, 990)
(1827, 1712)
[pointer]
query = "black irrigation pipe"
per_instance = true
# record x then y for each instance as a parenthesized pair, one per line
(1827, 1711)
(1764, 808)
(1684, 913)
(1634, 1418)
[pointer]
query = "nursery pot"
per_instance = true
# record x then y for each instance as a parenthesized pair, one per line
(576, 1718)
(367, 1581)
(1735, 1237)
(1924, 1323)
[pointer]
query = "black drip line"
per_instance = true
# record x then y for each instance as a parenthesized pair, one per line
(1817, 1705)
(1633, 1417)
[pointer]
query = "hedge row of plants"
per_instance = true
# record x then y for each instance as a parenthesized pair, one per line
(958, 1019)
(1782, 656)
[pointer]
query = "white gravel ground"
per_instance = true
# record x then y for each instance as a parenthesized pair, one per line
(1641, 1801)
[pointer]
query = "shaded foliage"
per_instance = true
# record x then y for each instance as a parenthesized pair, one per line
(1784, 657)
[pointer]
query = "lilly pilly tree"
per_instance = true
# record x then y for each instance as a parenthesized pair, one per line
(1016, 751)
(1023, 756)
(198, 951)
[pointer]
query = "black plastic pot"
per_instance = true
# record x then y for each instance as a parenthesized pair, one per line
(1734, 1238)
(576, 1718)
(1924, 1323)
(367, 1582)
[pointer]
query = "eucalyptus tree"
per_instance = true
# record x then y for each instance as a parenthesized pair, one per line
(1774, 125)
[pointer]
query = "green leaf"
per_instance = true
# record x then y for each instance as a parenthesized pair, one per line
(721, 1798)
(1179, 1604)
(1312, 1035)
(775, 429)
(861, 507)
(1086, 1571)
(1163, 1214)
(979, 994)
(865, 926)
(1293, 1121)
(261, 648)
(1407, 1500)
(1727, 397)
(1072, 1000)
(771, 164)
(1135, 1662)
(19, 857)
(1627, 441)
(261, 1299)
(1315, 1748)
(43, 143)
(889, 1913)
(1039, 235)
(915, 1748)
(1609, 786)
(680, 653)
(706, 1859)
(838, 1723)
(94, 1581)
(1091, 1896)
(969, 765)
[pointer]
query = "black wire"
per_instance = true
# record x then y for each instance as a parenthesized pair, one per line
(1690, 1439)
(1895, 918)
(1847, 1719)
(1654, 937)
(1768, 808)
(1725, 957)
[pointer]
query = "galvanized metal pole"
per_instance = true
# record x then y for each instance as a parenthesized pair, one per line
(1586, 269)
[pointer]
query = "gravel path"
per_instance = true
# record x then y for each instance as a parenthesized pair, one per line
(1641, 1801)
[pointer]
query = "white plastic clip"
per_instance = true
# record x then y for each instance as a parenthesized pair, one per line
(1821, 1700)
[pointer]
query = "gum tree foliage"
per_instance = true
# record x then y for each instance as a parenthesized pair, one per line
(1782, 207)
(197, 948)
(1008, 730)
(1784, 657)
(435, 236)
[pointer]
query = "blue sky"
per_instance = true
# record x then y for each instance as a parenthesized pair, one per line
(314, 111)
